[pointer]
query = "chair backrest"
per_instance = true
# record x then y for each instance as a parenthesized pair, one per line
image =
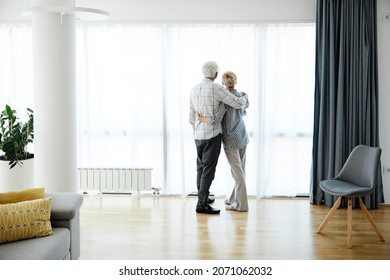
(361, 167)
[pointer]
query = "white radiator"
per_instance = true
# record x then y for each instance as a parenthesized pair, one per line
(115, 179)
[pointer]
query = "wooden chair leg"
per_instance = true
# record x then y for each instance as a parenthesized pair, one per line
(371, 220)
(349, 222)
(329, 216)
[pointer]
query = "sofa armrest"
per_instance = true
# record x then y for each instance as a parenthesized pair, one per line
(65, 212)
(65, 205)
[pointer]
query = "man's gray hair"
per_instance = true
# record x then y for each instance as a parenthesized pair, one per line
(210, 68)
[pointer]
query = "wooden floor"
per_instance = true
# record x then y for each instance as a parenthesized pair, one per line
(119, 227)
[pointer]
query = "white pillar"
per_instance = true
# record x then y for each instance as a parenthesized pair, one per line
(54, 80)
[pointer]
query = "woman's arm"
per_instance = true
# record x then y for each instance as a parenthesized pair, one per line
(213, 119)
(202, 119)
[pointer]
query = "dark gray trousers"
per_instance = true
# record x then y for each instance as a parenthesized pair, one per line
(206, 162)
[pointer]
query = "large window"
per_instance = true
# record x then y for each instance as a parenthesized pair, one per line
(133, 91)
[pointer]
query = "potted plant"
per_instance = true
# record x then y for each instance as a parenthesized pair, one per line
(15, 136)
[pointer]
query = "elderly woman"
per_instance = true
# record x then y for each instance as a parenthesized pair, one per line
(235, 139)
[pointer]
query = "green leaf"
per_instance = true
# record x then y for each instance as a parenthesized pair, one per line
(15, 135)
(12, 164)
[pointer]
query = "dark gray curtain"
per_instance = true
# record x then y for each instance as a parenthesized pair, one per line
(346, 90)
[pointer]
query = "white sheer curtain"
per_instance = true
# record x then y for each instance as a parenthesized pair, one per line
(133, 98)
(286, 134)
(120, 113)
(16, 67)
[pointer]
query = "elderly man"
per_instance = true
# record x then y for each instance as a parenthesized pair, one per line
(205, 100)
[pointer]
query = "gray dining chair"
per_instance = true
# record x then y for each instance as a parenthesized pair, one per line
(356, 179)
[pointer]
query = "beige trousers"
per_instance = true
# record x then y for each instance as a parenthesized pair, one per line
(238, 199)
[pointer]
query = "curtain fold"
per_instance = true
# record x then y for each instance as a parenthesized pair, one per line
(346, 90)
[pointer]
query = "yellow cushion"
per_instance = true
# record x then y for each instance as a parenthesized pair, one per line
(25, 219)
(22, 195)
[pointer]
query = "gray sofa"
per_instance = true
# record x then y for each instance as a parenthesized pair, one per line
(64, 244)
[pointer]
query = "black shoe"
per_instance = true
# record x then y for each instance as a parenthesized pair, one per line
(207, 210)
(211, 200)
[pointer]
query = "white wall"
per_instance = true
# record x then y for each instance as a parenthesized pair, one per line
(238, 10)
(184, 10)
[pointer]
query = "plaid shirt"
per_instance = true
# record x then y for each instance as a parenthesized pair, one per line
(234, 133)
(205, 99)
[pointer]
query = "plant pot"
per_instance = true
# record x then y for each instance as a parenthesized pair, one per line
(19, 177)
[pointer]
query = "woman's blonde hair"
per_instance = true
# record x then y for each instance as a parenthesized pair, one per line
(229, 79)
